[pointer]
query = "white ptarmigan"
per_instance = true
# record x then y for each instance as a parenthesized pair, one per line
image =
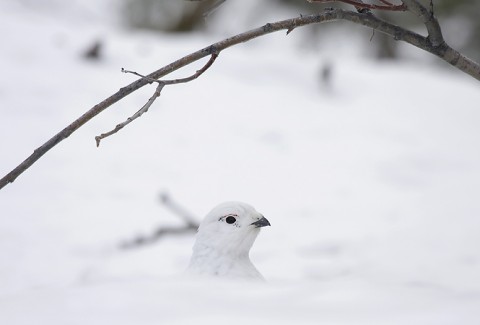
(223, 242)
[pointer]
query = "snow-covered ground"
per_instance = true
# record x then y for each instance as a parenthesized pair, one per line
(371, 183)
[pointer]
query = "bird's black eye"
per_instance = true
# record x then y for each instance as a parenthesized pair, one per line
(230, 219)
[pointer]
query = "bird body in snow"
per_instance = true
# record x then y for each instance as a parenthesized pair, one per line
(224, 239)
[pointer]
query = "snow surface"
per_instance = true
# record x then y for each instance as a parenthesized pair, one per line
(371, 183)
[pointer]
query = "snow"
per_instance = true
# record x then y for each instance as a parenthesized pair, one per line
(371, 183)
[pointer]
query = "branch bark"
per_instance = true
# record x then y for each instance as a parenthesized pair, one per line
(359, 5)
(433, 43)
(429, 20)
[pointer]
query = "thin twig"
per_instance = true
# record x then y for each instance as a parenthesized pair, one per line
(139, 113)
(156, 94)
(433, 44)
(197, 74)
(139, 75)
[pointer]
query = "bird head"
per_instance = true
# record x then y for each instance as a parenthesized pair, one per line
(230, 229)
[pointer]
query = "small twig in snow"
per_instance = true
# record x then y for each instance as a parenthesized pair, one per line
(191, 225)
(173, 206)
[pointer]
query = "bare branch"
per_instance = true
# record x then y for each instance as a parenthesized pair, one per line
(359, 4)
(433, 44)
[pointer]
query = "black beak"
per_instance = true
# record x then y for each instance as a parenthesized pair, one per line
(261, 223)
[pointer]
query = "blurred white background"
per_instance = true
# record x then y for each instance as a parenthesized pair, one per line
(370, 176)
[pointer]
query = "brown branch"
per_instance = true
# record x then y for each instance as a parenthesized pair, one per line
(386, 2)
(197, 74)
(430, 44)
(156, 94)
(359, 4)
